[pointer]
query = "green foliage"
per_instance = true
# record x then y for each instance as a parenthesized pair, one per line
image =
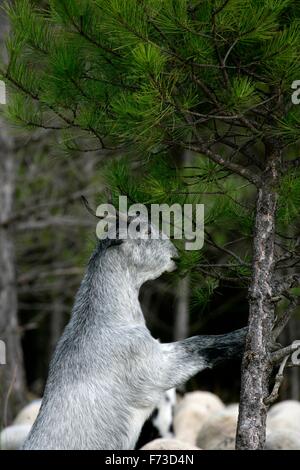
(148, 60)
(289, 200)
(155, 78)
(289, 126)
(188, 261)
(161, 51)
(202, 295)
(242, 94)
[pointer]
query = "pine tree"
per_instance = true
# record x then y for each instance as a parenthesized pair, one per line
(212, 78)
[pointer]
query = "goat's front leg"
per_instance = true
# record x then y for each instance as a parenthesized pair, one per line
(183, 359)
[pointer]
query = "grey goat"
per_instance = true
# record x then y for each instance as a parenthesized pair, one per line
(108, 373)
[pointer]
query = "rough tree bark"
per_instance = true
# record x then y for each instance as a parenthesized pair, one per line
(256, 367)
(12, 383)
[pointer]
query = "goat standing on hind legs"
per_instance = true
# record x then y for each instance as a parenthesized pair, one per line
(108, 373)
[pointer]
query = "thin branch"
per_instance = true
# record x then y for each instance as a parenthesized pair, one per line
(29, 211)
(217, 158)
(278, 381)
(211, 242)
(221, 266)
(63, 222)
(279, 355)
(220, 8)
(221, 62)
(284, 319)
(31, 276)
(37, 98)
(221, 277)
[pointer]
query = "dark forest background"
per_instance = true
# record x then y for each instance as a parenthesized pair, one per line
(47, 236)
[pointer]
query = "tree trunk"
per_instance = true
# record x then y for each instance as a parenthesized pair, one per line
(12, 387)
(256, 368)
(12, 383)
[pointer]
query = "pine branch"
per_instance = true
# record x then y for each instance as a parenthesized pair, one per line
(48, 222)
(91, 40)
(211, 242)
(37, 98)
(38, 208)
(221, 62)
(279, 355)
(217, 158)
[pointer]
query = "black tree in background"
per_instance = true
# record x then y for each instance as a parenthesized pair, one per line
(12, 381)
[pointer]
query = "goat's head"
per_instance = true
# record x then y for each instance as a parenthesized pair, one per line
(147, 250)
(141, 246)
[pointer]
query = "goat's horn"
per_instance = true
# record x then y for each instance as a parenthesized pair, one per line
(120, 215)
(88, 207)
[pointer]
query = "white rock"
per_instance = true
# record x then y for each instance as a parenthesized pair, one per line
(29, 413)
(227, 444)
(168, 444)
(12, 437)
(218, 431)
(192, 412)
(284, 416)
(283, 440)
(233, 407)
(208, 400)
(188, 421)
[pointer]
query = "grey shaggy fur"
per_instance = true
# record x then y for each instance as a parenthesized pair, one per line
(108, 373)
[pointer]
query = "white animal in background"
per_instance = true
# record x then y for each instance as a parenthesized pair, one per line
(208, 400)
(13, 437)
(192, 412)
(188, 421)
(29, 413)
(283, 440)
(218, 431)
(168, 444)
(160, 423)
(233, 407)
(284, 416)
(226, 444)
(163, 419)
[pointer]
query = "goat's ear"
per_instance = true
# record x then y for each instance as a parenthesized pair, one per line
(116, 242)
(107, 243)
